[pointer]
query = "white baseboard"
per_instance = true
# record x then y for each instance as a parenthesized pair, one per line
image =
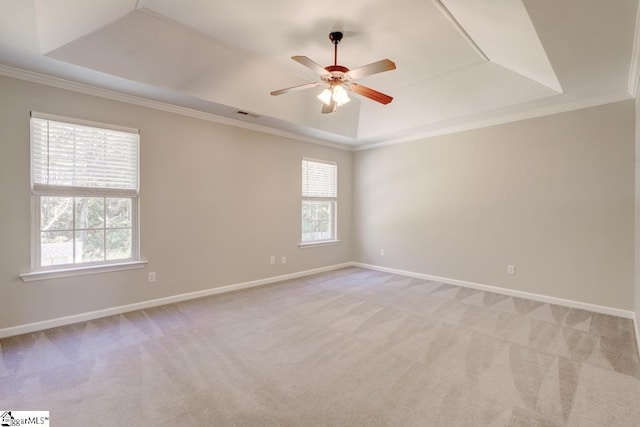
(83, 317)
(627, 314)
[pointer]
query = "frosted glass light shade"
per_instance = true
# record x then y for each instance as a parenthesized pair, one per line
(325, 96)
(340, 95)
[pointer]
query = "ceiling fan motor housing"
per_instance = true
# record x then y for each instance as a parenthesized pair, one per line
(335, 37)
(338, 73)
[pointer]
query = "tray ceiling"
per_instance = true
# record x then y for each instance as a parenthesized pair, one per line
(459, 62)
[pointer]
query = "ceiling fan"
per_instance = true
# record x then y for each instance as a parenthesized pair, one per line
(340, 79)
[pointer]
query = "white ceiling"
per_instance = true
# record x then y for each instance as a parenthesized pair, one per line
(460, 63)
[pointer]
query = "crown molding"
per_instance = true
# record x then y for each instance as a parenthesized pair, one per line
(86, 89)
(502, 119)
(460, 126)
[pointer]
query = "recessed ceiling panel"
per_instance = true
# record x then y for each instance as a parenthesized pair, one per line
(413, 33)
(589, 42)
(158, 52)
(505, 33)
(62, 21)
(18, 29)
(483, 87)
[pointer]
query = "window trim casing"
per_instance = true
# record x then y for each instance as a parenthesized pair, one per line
(334, 200)
(81, 270)
(39, 272)
(81, 122)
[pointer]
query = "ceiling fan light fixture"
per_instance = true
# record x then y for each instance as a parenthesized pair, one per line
(340, 79)
(340, 95)
(325, 96)
(335, 92)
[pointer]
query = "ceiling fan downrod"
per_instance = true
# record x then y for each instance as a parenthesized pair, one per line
(335, 38)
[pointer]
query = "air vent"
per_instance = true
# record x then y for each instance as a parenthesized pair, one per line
(244, 113)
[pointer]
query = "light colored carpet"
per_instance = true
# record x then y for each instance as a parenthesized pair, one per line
(346, 348)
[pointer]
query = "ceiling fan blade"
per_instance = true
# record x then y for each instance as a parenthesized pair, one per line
(326, 109)
(294, 88)
(373, 68)
(370, 93)
(313, 66)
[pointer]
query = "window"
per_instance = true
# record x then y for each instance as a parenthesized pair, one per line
(319, 198)
(84, 182)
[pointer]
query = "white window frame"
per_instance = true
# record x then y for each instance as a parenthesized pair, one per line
(333, 200)
(39, 272)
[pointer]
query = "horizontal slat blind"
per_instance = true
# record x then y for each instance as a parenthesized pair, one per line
(319, 179)
(73, 155)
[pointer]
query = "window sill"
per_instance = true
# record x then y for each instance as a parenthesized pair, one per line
(79, 271)
(322, 243)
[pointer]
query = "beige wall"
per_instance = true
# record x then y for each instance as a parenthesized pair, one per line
(216, 202)
(553, 195)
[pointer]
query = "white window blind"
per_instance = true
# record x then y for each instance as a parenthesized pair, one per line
(319, 179)
(74, 155)
(84, 179)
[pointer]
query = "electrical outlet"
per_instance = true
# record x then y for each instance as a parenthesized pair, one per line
(284, 259)
(152, 277)
(511, 269)
(381, 252)
(273, 259)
